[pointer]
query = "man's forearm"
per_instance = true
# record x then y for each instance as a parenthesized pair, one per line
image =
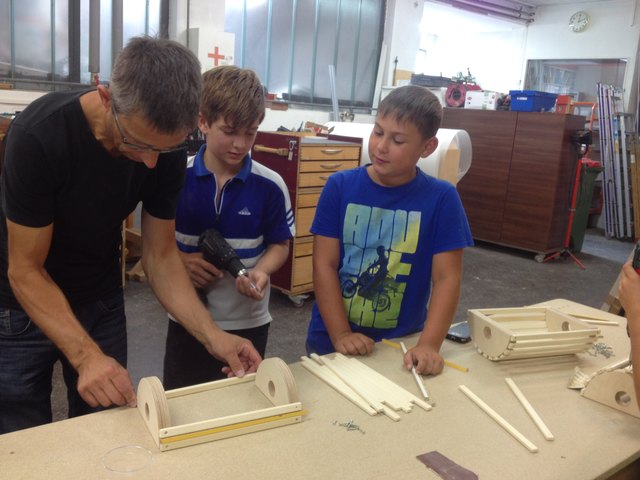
(170, 283)
(48, 308)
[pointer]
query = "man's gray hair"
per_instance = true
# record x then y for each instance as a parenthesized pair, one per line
(159, 79)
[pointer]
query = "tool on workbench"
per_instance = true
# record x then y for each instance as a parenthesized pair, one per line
(221, 255)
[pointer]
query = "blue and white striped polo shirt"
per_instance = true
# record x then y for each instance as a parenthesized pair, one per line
(254, 210)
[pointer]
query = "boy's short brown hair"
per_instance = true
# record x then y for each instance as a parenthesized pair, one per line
(233, 93)
(416, 105)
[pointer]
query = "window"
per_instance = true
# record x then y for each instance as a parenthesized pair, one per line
(291, 45)
(29, 46)
(46, 42)
(574, 77)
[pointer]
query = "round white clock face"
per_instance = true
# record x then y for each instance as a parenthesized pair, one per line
(579, 21)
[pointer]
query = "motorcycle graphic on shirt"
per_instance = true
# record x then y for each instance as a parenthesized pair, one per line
(372, 276)
(374, 284)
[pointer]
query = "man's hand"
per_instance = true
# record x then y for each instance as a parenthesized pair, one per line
(239, 353)
(201, 272)
(351, 343)
(426, 359)
(103, 381)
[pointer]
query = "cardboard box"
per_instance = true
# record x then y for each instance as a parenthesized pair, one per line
(564, 104)
(481, 99)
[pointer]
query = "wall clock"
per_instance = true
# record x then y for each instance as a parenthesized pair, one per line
(579, 21)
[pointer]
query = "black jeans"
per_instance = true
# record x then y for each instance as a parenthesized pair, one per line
(27, 357)
(187, 361)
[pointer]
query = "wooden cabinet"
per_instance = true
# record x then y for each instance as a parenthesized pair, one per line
(518, 189)
(305, 163)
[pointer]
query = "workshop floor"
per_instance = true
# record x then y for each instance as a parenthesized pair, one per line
(493, 277)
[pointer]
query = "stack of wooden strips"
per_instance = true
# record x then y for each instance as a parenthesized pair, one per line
(372, 392)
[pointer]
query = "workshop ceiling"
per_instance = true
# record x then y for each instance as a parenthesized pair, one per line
(522, 11)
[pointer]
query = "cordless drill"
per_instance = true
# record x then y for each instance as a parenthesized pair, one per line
(219, 253)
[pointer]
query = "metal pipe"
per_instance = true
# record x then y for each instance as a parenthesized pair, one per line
(267, 55)
(164, 19)
(116, 29)
(146, 18)
(94, 37)
(74, 41)
(314, 50)
(292, 46)
(53, 38)
(356, 50)
(243, 34)
(12, 20)
(337, 44)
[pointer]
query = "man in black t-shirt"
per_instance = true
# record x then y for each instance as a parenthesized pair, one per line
(75, 165)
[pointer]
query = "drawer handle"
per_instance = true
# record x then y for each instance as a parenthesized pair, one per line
(283, 152)
(331, 151)
(330, 166)
(324, 177)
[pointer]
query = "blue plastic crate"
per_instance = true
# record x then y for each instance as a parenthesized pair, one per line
(532, 101)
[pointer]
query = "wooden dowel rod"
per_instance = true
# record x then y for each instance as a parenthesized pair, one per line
(530, 410)
(498, 419)
(416, 377)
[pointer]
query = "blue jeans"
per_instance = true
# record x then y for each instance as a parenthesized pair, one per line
(27, 357)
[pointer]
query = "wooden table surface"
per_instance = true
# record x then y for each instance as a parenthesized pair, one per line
(592, 441)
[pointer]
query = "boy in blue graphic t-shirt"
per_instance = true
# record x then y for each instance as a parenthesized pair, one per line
(388, 240)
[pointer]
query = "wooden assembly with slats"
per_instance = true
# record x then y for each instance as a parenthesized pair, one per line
(613, 386)
(160, 409)
(528, 332)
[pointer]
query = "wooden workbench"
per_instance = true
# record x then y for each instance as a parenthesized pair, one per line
(592, 441)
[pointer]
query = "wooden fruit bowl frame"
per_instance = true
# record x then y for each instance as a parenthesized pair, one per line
(273, 379)
(613, 386)
(528, 332)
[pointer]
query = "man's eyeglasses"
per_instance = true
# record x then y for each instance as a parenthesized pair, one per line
(142, 147)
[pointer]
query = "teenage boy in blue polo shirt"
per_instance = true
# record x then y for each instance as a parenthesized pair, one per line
(248, 204)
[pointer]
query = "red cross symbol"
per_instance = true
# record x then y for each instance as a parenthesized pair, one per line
(216, 56)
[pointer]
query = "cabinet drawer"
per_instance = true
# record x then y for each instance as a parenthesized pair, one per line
(302, 249)
(330, 152)
(313, 179)
(327, 165)
(303, 219)
(309, 199)
(302, 270)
